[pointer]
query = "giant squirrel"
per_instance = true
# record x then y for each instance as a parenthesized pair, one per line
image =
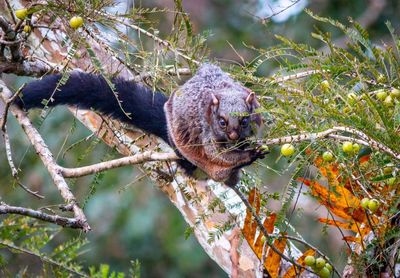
(207, 120)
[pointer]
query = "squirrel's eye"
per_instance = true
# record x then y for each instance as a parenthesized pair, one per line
(245, 122)
(222, 122)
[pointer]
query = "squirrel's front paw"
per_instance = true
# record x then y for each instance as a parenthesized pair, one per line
(260, 151)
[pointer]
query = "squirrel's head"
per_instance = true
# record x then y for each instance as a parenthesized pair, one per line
(232, 114)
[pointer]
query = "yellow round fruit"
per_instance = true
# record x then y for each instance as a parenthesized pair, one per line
(320, 263)
(395, 93)
(347, 147)
(388, 101)
(21, 13)
(324, 272)
(329, 267)
(373, 205)
(356, 148)
(364, 202)
(309, 260)
(391, 181)
(27, 29)
(327, 156)
(325, 85)
(287, 149)
(381, 94)
(76, 22)
(387, 170)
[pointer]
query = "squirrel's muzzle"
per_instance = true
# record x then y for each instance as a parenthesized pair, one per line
(233, 135)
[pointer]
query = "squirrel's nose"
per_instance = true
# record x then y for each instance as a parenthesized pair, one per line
(233, 135)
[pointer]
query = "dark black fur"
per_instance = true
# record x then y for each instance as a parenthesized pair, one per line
(90, 91)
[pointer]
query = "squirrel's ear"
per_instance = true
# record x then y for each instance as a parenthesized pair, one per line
(214, 103)
(212, 107)
(250, 99)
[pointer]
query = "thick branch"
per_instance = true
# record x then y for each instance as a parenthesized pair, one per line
(34, 68)
(56, 219)
(10, 35)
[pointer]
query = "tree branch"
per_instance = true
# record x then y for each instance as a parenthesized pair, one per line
(56, 219)
(365, 139)
(47, 158)
(129, 160)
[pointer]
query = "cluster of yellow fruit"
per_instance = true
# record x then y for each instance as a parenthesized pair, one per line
(388, 98)
(350, 147)
(75, 22)
(371, 204)
(319, 266)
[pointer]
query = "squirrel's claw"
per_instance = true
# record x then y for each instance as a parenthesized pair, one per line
(260, 151)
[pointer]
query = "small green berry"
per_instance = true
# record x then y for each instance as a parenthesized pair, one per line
(325, 85)
(388, 101)
(356, 148)
(395, 93)
(381, 94)
(364, 202)
(287, 149)
(76, 22)
(391, 181)
(387, 170)
(319, 263)
(309, 260)
(329, 267)
(347, 147)
(324, 272)
(327, 156)
(27, 29)
(373, 205)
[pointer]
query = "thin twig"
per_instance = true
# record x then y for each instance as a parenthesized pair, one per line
(11, 11)
(14, 171)
(34, 193)
(162, 42)
(41, 257)
(298, 75)
(124, 161)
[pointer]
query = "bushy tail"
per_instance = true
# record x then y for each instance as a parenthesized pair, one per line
(128, 102)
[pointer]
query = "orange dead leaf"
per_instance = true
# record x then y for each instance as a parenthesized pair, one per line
(342, 202)
(250, 225)
(353, 226)
(352, 239)
(273, 260)
(269, 226)
(293, 271)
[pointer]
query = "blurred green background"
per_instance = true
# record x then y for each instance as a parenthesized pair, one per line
(131, 219)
